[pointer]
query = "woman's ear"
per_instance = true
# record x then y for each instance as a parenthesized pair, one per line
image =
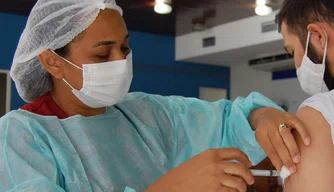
(52, 63)
(319, 37)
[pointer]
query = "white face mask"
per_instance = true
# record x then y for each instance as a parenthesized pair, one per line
(311, 75)
(104, 84)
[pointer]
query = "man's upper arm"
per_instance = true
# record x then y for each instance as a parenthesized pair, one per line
(315, 171)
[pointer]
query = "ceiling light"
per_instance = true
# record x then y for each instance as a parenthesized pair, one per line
(169, 2)
(259, 2)
(159, 1)
(162, 8)
(263, 10)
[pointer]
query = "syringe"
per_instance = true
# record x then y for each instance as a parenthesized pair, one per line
(265, 173)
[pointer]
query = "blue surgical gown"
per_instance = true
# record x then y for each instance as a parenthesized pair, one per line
(126, 149)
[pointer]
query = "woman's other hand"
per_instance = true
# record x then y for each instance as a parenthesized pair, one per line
(210, 171)
(274, 132)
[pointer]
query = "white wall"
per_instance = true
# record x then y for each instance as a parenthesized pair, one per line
(289, 91)
(212, 94)
(244, 80)
(238, 34)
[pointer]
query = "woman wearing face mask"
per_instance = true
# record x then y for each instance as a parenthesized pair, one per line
(311, 21)
(81, 131)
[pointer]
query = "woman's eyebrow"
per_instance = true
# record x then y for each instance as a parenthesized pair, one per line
(104, 43)
(107, 43)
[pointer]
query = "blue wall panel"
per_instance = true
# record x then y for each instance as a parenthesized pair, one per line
(11, 29)
(284, 74)
(155, 68)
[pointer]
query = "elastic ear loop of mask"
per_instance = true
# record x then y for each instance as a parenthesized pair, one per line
(325, 51)
(308, 43)
(69, 62)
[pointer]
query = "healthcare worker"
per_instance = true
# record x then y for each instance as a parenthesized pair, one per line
(308, 32)
(82, 131)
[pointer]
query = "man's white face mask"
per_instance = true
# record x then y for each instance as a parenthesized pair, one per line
(104, 84)
(311, 75)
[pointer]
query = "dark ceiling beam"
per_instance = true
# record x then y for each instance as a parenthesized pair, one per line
(138, 14)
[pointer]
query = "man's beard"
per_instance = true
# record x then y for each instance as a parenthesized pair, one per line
(329, 80)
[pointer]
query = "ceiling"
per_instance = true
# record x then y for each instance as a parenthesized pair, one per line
(241, 55)
(140, 16)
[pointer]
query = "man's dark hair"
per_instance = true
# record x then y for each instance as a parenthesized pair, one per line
(298, 14)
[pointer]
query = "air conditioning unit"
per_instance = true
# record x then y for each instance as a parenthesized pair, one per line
(279, 62)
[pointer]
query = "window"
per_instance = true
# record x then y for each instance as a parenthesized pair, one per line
(5, 92)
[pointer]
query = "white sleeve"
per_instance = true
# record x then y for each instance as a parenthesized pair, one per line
(324, 103)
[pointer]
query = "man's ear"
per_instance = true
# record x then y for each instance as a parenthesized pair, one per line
(52, 63)
(318, 38)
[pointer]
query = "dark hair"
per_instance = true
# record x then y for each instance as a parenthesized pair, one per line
(298, 14)
(63, 51)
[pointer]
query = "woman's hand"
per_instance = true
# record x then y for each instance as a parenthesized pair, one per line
(274, 133)
(210, 171)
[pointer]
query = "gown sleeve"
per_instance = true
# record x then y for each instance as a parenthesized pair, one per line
(26, 161)
(189, 126)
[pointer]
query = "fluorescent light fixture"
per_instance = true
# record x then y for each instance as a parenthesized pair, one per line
(259, 2)
(162, 8)
(263, 10)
